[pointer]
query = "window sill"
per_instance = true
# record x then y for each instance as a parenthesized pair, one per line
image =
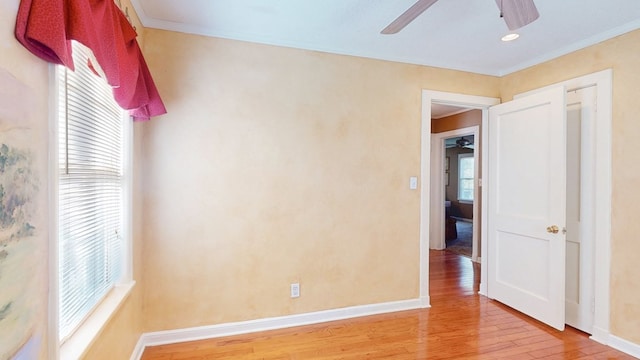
(470, 202)
(78, 344)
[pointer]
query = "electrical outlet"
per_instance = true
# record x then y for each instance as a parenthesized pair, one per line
(295, 290)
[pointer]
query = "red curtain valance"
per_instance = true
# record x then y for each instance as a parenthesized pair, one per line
(46, 28)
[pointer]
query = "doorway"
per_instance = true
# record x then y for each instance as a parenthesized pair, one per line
(452, 152)
(459, 189)
(602, 159)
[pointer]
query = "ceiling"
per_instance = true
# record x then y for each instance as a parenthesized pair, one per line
(455, 34)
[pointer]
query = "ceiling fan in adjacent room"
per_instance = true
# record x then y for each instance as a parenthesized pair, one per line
(464, 142)
(516, 13)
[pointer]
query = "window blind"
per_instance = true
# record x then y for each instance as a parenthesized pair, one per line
(90, 191)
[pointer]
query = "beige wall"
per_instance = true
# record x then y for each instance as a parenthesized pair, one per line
(304, 156)
(621, 54)
(276, 166)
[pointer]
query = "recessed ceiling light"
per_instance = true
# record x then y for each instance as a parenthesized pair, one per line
(510, 37)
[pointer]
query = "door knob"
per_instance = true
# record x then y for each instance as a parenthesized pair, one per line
(553, 229)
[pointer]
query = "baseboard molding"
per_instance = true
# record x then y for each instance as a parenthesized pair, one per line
(483, 290)
(604, 337)
(245, 327)
(138, 350)
(625, 346)
(600, 335)
(425, 302)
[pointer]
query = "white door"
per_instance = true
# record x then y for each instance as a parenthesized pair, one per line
(526, 209)
(581, 114)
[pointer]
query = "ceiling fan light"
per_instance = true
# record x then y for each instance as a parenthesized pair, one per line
(462, 142)
(510, 37)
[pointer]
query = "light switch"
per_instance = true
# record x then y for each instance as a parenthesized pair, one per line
(413, 182)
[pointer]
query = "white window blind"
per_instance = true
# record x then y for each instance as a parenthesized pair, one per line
(90, 191)
(466, 172)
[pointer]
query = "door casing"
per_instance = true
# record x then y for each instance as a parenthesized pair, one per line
(604, 82)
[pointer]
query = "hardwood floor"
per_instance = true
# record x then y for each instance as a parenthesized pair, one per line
(459, 325)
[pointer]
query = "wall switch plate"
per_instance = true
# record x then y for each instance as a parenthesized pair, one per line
(413, 182)
(295, 290)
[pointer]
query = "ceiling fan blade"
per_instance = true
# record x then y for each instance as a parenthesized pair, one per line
(408, 16)
(518, 13)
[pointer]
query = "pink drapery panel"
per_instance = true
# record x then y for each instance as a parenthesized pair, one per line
(46, 28)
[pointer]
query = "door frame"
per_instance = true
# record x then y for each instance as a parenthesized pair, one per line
(604, 82)
(586, 205)
(437, 238)
(428, 97)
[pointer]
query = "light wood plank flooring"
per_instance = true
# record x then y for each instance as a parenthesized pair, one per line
(460, 325)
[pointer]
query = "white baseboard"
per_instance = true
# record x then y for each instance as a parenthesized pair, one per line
(600, 335)
(244, 327)
(604, 337)
(138, 350)
(483, 290)
(425, 301)
(625, 346)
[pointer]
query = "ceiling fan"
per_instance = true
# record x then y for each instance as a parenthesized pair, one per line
(461, 143)
(516, 13)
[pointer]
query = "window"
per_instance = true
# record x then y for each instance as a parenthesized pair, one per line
(92, 154)
(466, 171)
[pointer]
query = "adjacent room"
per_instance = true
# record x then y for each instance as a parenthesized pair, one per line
(319, 180)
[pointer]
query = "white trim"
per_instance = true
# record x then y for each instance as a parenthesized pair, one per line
(603, 80)
(138, 350)
(127, 266)
(77, 344)
(625, 346)
(250, 326)
(475, 176)
(53, 326)
(484, 224)
(600, 335)
(90, 329)
(469, 101)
